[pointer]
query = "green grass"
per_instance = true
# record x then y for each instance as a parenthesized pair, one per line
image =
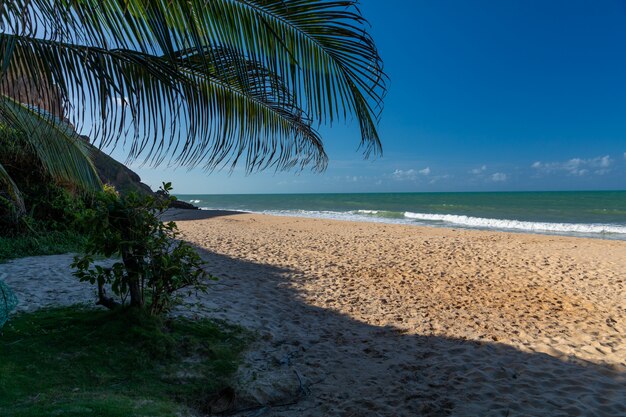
(76, 361)
(49, 243)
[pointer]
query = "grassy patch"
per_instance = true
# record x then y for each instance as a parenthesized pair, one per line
(75, 361)
(49, 243)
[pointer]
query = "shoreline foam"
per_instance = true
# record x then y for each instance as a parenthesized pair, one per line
(451, 221)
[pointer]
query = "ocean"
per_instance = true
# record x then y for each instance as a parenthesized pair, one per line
(597, 214)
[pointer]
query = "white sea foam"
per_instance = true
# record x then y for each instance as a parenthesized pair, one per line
(613, 231)
(194, 201)
(481, 222)
(355, 216)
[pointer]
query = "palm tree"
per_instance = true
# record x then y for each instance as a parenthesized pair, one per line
(190, 82)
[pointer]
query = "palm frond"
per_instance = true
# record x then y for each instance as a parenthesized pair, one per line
(12, 189)
(59, 149)
(319, 50)
(232, 108)
(290, 140)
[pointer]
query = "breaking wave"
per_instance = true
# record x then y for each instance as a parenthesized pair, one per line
(612, 231)
(501, 224)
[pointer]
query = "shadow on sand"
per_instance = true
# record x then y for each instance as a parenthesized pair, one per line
(349, 368)
(173, 214)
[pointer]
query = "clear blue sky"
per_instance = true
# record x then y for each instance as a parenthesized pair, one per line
(484, 96)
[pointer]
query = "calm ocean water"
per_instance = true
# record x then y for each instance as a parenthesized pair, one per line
(600, 214)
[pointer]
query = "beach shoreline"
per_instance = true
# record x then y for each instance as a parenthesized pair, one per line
(579, 214)
(176, 214)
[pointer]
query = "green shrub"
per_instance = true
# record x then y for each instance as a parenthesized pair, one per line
(154, 264)
(56, 208)
(49, 206)
(43, 243)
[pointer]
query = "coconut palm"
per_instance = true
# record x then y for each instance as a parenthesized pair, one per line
(189, 82)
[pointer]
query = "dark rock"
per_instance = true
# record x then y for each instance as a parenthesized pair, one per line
(179, 204)
(183, 205)
(123, 178)
(115, 173)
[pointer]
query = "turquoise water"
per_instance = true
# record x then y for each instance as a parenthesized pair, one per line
(599, 214)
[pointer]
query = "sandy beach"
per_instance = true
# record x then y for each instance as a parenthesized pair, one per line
(363, 319)
(399, 320)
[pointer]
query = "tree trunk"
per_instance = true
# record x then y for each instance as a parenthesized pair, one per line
(105, 301)
(134, 279)
(136, 295)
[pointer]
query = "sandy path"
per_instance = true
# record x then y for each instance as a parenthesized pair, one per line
(42, 281)
(383, 320)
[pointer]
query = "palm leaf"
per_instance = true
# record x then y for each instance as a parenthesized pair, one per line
(59, 149)
(12, 189)
(233, 107)
(318, 49)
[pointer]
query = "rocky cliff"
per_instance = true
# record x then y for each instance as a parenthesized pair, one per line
(115, 173)
(123, 178)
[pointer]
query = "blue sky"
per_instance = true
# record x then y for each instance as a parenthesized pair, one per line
(483, 96)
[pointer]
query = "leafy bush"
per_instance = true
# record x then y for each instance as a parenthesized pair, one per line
(49, 206)
(52, 225)
(43, 243)
(56, 207)
(153, 266)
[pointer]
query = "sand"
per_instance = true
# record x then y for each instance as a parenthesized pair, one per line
(363, 319)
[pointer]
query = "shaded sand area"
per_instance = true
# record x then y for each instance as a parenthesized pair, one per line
(361, 319)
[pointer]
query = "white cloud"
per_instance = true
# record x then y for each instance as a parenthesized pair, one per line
(478, 170)
(409, 174)
(576, 166)
(439, 178)
(402, 175)
(624, 155)
(605, 161)
(347, 178)
(499, 177)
